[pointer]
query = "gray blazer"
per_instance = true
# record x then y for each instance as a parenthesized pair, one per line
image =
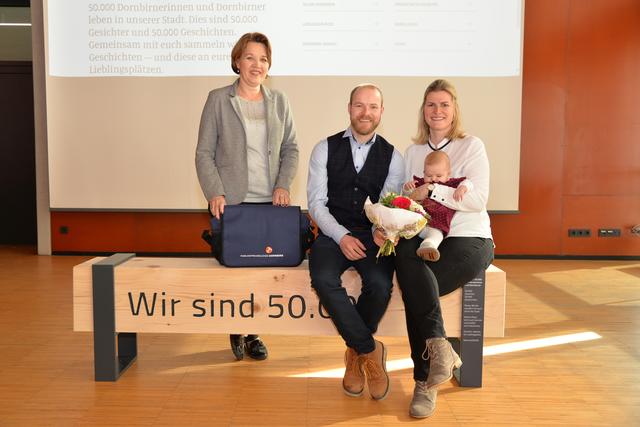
(221, 154)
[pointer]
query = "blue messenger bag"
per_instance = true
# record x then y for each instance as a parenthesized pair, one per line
(260, 235)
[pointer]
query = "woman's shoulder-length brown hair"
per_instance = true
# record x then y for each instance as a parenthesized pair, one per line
(241, 45)
(456, 131)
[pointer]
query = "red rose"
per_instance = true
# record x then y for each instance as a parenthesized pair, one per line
(401, 202)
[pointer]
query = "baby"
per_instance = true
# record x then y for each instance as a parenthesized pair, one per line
(436, 170)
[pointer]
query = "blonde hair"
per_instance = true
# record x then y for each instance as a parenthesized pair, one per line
(436, 157)
(241, 45)
(456, 130)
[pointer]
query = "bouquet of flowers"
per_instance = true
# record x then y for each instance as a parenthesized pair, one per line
(398, 216)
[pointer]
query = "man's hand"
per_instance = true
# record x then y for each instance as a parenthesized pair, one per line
(216, 206)
(379, 237)
(280, 197)
(352, 248)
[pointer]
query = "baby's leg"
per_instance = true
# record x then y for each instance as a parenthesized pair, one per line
(428, 249)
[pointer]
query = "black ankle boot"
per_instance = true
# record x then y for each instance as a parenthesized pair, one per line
(237, 346)
(256, 349)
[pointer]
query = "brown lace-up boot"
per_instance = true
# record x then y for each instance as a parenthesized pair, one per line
(375, 367)
(353, 381)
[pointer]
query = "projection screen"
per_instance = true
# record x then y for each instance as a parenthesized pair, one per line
(127, 80)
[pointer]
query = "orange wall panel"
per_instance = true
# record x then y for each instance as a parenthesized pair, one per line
(161, 232)
(602, 160)
(536, 229)
(602, 155)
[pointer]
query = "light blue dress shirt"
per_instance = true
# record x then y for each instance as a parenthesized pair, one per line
(317, 186)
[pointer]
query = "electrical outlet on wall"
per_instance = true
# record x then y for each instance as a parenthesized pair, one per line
(608, 232)
(579, 232)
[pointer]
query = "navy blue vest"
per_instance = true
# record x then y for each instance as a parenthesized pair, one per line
(347, 188)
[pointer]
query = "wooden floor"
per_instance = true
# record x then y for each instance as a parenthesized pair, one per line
(46, 370)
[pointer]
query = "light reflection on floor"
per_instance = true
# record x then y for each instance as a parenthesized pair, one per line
(396, 365)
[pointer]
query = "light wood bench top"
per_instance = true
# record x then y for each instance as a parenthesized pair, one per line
(264, 300)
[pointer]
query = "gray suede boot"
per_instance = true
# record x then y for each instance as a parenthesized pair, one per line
(423, 403)
(442, 361)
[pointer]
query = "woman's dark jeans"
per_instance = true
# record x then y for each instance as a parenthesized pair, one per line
(423, 283)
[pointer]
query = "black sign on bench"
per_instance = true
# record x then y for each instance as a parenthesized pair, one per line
(469, 345)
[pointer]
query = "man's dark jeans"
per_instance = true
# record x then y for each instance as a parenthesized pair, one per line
(355, 323)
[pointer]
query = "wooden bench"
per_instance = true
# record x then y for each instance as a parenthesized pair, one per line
(197, 295)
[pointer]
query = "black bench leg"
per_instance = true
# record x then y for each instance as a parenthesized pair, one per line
(470, 344)
(113, 352)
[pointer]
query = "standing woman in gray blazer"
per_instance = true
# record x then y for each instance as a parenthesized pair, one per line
(247, 130)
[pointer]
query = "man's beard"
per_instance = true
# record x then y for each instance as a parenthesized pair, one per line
(364, 128)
